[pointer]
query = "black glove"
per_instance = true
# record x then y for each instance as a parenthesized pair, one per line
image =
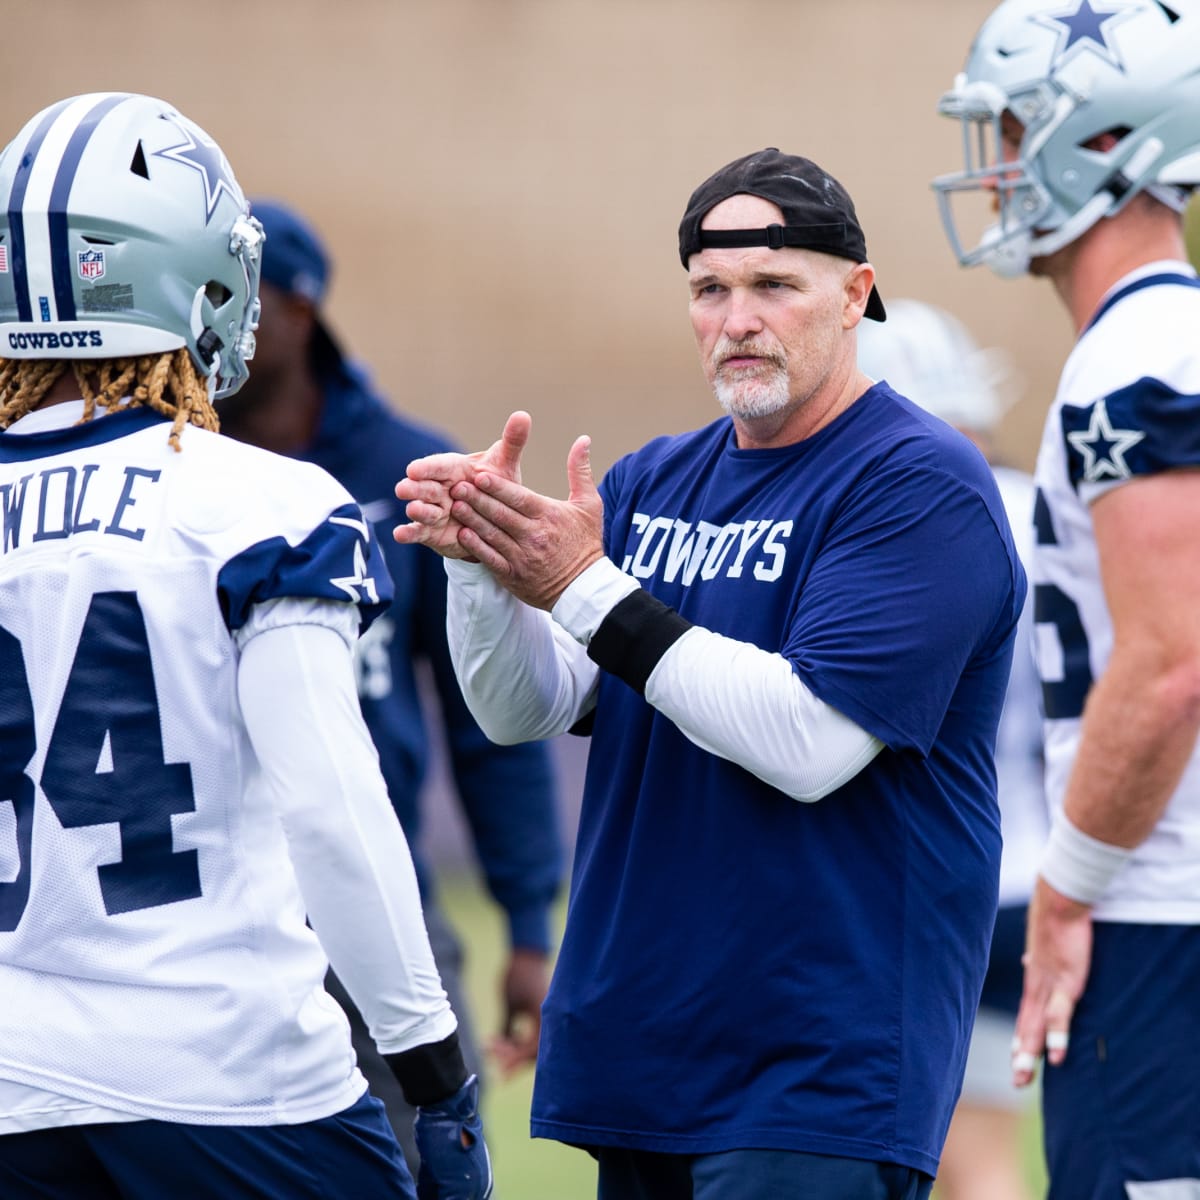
(454, 1157)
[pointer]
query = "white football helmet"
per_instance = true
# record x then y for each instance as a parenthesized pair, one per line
(1069, 71)
(123, 232)
(928, 356)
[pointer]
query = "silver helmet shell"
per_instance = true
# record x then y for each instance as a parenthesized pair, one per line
(1070, 71)
(124, 232)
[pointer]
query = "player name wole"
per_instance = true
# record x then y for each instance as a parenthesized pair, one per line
(670, 549)
(62, 501)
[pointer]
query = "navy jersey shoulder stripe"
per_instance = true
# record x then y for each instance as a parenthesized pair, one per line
(1140, 429)
(338, 560)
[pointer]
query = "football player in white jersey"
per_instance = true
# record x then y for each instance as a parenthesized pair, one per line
(192, 818)
(1081, 123)
(928, 355)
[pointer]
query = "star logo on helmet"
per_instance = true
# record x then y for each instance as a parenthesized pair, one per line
(1087, 26)
(1103, 447)
(205, 157)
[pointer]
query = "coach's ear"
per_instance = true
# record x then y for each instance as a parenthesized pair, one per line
(859, 281)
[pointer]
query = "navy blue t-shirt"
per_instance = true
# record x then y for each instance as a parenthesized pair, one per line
(740, 969)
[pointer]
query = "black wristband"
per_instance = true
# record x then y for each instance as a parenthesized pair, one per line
(634, 636)
(429, 1073)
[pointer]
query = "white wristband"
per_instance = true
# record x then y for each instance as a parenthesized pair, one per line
(1079, 866)
(590, 597)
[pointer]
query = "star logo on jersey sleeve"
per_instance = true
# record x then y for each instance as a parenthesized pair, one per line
(361, 585)
(1103, 448)
(205, 157)
(1087, 26)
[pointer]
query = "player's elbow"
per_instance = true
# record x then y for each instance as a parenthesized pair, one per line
(1179, 691)
(501, 735)
(814, 788)
(494, 716)
(829, 749)
(820, 776)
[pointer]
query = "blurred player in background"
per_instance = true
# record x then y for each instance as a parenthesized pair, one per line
(928, 355)
(1082, 126)
(185, 770)
(789, 632)
(304, 399)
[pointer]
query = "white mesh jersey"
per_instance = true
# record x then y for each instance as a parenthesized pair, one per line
(1128, 404)
(154, 955)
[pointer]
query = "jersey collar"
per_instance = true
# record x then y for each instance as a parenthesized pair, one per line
(23, 447)
(1150, 276)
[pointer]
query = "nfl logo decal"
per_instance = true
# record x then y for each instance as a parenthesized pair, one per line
(91, 264)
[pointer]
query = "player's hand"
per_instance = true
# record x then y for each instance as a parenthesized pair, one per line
(1058, 956)
(427, 483)
(533, 545)
(454, 1157)
(524, 987)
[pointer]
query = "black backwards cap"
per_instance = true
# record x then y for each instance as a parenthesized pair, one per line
(818, 213)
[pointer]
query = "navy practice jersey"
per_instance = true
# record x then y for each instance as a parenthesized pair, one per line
(740, 969)
(1128, 406)
(154, 956)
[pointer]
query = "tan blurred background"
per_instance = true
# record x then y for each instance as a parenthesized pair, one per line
(500, 181)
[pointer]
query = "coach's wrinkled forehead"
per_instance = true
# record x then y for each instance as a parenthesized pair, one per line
(818, 213)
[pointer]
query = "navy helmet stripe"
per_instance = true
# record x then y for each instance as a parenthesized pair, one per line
(60, 244)
(16, 201)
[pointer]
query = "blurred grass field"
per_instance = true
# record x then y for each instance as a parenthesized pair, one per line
(528, 1169)
(525, 1168)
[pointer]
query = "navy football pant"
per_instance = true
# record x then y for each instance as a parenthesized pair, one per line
(752, 1175)
(1124, 1107)
(348, 1156)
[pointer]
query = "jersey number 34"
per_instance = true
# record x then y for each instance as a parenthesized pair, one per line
(104, 763)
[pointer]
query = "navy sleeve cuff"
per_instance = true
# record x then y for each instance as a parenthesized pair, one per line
(634, 636)
(529, 929)
(429, 1073)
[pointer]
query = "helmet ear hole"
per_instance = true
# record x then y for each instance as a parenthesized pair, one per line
(216, 293)
(138, 165)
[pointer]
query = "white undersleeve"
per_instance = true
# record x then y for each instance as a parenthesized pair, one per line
(525, 676)
(747, 705)
(297, 691)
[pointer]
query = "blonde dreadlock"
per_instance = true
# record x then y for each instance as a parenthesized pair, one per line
(167, 383)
